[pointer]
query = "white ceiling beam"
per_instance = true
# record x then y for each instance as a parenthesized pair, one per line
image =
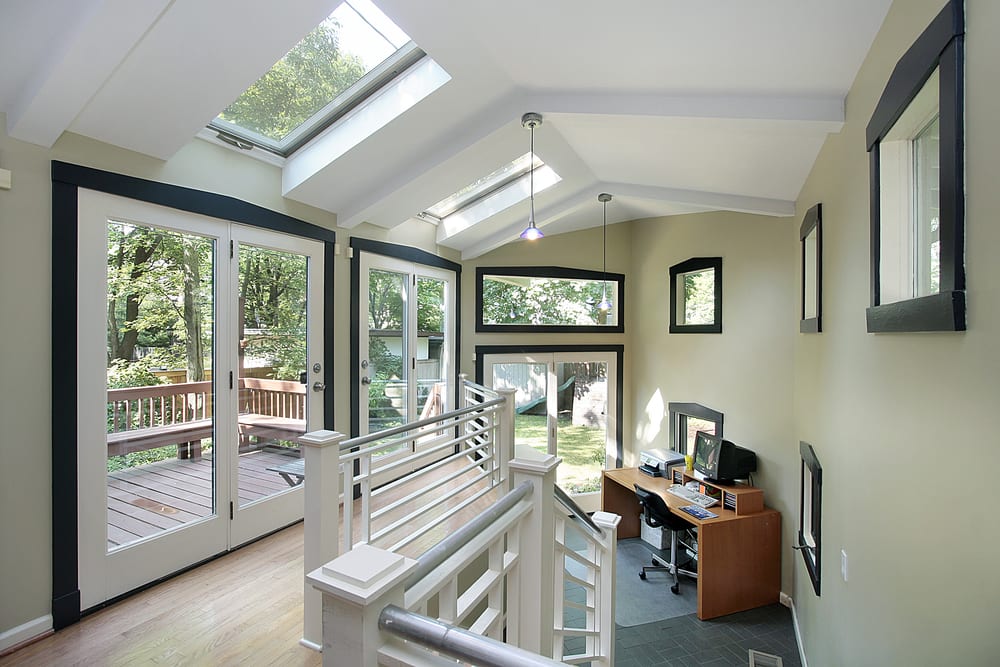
(78, 68)
(708, 200)
(822, 113)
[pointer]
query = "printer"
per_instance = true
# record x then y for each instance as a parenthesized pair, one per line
(656, 462)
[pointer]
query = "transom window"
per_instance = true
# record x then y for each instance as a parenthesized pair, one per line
(550, 298)
(350, 55)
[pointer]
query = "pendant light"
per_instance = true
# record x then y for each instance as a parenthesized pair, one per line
(605, 305)
(531, 120)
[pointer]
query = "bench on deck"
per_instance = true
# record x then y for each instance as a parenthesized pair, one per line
(142, 418)
(293, 472)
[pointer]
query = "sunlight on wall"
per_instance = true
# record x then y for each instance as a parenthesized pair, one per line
(649, 427)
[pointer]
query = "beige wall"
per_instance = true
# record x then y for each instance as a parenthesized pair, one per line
(893, 417)
(746, 371)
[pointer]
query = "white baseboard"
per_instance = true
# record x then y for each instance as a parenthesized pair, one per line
(798, 634)
(25, 631)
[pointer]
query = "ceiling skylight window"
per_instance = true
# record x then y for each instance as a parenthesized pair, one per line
(348, 57)
(482, 188)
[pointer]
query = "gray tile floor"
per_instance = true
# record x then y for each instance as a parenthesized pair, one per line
(685, 641)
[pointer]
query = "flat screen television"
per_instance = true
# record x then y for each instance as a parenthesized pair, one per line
(720, 460)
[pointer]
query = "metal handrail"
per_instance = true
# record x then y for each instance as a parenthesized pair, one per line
(362, 440)
(447, 547)
(456, 642)
(577, 512)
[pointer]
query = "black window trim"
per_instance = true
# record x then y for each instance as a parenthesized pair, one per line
(941, 46)
(617, 298)
(689, 266)
(678, 414)
(810, 554)
(813, 219)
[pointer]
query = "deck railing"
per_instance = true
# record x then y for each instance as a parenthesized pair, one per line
(501, 575)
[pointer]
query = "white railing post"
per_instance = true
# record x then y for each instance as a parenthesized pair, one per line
(356, 587)
(534, 596)
(608, 522)
(504, 444)
(322, 521)
(463, 397)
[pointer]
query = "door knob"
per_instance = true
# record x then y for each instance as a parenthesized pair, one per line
(318, 386)
(366, 380)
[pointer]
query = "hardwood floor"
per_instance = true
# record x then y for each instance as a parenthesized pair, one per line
(244, 608)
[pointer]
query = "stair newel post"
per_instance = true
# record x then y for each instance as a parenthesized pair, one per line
(534, 593)
(322, 520)
(605, 621)
(504, 445)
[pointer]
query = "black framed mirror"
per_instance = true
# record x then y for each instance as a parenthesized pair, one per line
(696, 296)
(811, 241)
(916, 154)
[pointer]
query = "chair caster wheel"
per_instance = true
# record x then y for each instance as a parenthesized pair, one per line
(675, 589)
(642, 575)
(654, 562)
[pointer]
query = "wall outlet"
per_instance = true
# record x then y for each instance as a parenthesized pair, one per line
(843, 564)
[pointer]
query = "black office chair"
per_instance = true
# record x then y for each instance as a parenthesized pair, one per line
(656, 515)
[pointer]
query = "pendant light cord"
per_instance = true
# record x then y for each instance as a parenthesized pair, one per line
(531, 175)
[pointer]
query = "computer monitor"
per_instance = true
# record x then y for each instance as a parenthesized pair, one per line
(720, 460)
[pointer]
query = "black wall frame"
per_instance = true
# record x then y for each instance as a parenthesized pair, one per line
(689, 266)
(617, 298)
(67, 179)
(941, 46)
(813, 220)
(619, 350)
(678, 414)
(814, 490)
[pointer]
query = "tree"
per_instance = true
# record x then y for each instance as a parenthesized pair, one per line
(311, 75)
(543, 301)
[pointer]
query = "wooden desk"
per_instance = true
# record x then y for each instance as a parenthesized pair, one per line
(739, 556)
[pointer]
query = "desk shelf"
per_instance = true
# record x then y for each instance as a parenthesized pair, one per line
(741, 498)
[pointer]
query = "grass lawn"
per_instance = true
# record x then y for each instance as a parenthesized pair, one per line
(580, 447)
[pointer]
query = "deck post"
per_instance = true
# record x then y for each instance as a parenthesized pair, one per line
(534, 596)
(504, 445)
(322, 521)
(355, 588)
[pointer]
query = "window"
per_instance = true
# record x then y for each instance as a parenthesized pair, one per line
(481, 188)
(686, 419)
(916, 146)
(811, 238)
(810, 512)
(533, 298)
(353, 53)
(696, 296)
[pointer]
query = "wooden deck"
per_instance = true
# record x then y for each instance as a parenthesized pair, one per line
(145, 500)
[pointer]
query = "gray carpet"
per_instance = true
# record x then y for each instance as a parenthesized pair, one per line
(638, 601)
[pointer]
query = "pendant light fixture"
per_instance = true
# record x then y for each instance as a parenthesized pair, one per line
(531, 120)
(605, 305)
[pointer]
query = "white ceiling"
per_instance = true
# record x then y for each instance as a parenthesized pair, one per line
(672, 106)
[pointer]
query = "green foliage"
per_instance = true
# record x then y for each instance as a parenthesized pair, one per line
(580, 447)
(309, 76)
(543, 301)
(699, 297)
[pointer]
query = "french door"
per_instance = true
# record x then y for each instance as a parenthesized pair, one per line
(566, 405)
(406, 343)
(198, 351)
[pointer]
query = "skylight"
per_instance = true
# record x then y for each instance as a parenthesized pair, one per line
(343, 61)
(482, 188)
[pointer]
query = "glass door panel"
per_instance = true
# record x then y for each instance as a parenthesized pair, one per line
(160, 325)
(531, 383)
(388, 391)
(581, 424)
(272, 368)
(431, 354)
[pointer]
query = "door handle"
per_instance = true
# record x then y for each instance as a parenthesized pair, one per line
(318, 386)
(366, 380)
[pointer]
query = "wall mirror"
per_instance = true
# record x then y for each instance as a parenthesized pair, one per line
(696, 296)
(811, 240)
(916, 155)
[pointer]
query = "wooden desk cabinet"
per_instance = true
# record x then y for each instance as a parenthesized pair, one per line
(739, 554)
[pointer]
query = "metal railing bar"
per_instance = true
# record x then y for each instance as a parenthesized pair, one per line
(424, 452)
(403, 521)
(577, 512)
(426, 489)
(363, 440)
(437, 554)
(441, 519)
(456, 642)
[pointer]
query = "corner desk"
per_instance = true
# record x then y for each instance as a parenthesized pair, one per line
(739, 552)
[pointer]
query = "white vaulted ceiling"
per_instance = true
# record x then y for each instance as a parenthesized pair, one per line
(673, 106)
